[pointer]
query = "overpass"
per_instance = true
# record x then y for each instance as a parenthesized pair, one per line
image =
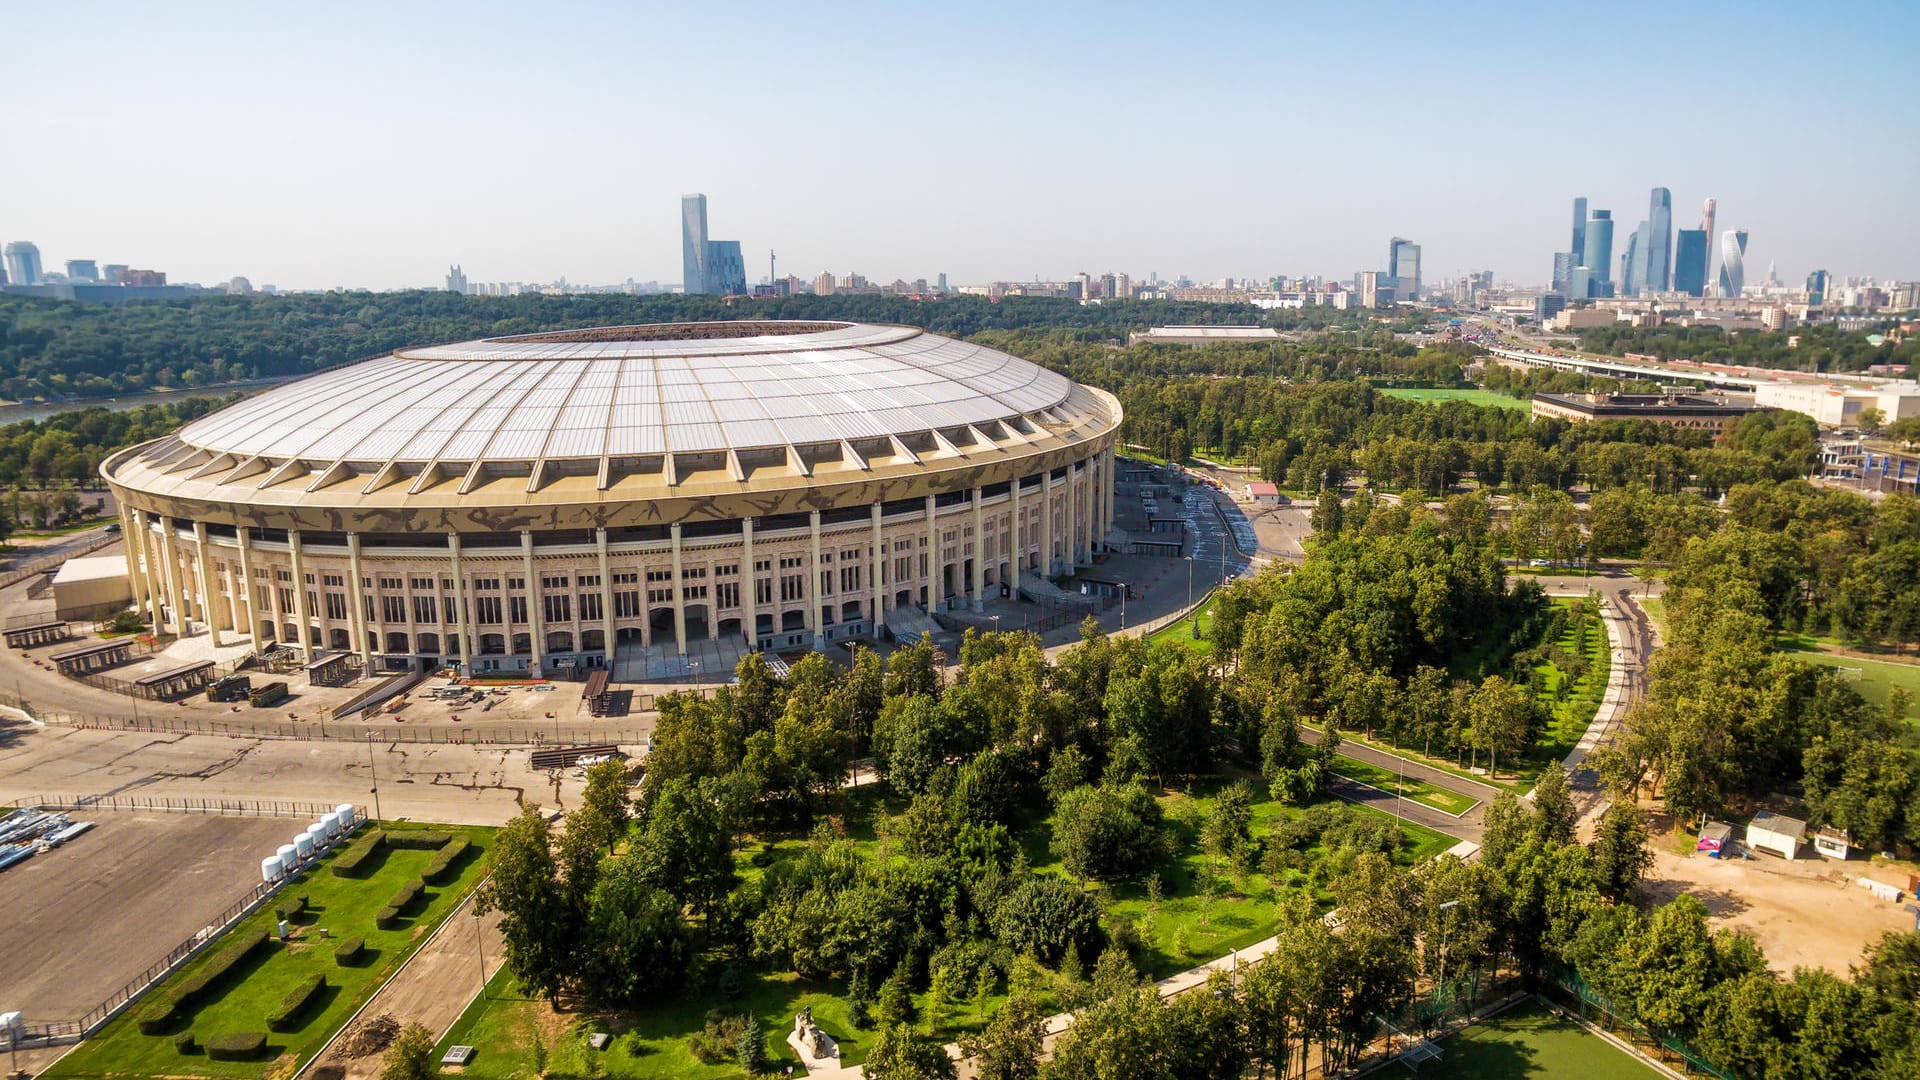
(1627, 369)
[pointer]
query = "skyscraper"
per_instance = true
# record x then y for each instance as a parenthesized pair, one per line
(23, 262)
(1659, 242)
(456, 280)
(1597, 253)
(1579, 229)
(1733, 250)
(1403, 266)
(1817, 286)
(1690, 262)
(725, 269)
(1633, 262)
(82, 270)
(1706, 226)
(693, 244)
(1563, 264)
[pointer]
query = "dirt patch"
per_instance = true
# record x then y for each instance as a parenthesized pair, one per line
(1804, 913)
(369, 1037)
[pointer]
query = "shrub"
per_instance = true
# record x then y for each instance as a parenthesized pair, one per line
(237, 1046)
(717, 1042)
(154, 1018)
(445, 860)
(292, 907)
(155, 1015)
(408, 895)
(349, 951)
(418, 840)
(387, 919)
(1050, 916)
(282, 1018)
(183, 1042)
(353, 861)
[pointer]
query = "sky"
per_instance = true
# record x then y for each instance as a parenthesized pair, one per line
(370, 145)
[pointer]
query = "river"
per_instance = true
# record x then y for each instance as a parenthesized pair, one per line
(14, 413)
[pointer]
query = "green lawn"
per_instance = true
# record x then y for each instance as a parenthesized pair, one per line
(1528, 1041)
(1875, 679)
(1573, 711)
(1183, 630)
(342, 907)
(1413, 790)
(1470, 395)
(1656, 610)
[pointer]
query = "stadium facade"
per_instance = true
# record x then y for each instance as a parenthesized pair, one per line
(526, 502)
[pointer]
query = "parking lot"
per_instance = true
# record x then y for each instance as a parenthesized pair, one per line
(85, 917)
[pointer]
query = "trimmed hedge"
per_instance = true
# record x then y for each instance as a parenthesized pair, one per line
(183, 1042)
(292, 907)
(445, 860)
(349, 951)
(237, 1046)
(154, 1018)
(405, 897)
(387, 919)
(282, 1018)
(351, 861)
(418, 840)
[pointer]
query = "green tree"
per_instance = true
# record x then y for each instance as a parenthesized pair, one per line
(1009, 1046)
(750, 1049)
(1049, 917)
(1107, 832)
(1505, 716)
(900, 1054)
(1620, 853)
(636, 945)
(411, 1055)
(1554, 815)
(523, 884)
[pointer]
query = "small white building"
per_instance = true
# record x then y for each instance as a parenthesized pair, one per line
(91, 588)
(1265, 493)
(1833, 843)
(1777, 833)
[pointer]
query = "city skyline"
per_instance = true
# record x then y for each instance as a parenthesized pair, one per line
(297, 171)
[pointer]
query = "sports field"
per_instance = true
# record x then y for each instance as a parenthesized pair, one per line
(1528, 1041)
(1470, 395)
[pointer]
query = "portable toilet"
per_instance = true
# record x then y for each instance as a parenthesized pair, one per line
(304, 844)
(289, 858)
(270, 869)
(347, 818)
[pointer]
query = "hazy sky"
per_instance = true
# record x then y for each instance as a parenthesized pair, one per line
(370, 145)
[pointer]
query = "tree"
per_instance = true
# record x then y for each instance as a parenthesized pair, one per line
(900, 1054)
(636, 946)
(523, 884)
(686, 840)
(1009, 1047)
(1870, 419)
(411, 1055)
(1107, 832)
(1553, 813)
(751, 1047)
(1050, 917)
(1505, 716)
(896, 999)
(1120, 1038)
(604, 810)
(1228, 830)
(1620, 853)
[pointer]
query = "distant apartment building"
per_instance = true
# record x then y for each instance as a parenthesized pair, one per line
(23, 263)
(82, 270)
(456, 280)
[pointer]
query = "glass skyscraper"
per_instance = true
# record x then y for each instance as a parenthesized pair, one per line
(1658, 243)
(1690, 262)
(1596, 253)
(23, 262)
(1403, 266)
(1733, 250)
(693, 244)
(1579, 244)
(725, 270)
(1633, 262)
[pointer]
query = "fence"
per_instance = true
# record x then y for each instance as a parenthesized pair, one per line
(225, 807)
(1567, 989)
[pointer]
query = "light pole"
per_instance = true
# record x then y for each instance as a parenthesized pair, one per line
(1189, 581)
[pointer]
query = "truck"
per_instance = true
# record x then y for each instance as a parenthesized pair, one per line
(267, 695)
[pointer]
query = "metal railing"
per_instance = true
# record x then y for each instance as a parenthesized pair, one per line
(20, 573)
(152, 804)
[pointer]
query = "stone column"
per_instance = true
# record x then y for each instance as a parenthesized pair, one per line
(279, 612)
(812, 591)
(142, 563)
(176, 589)
(877, 567)
(300, 594)
(749, 597)
(1015, 554)
(357, 604)
(979, 582)
(536, 619)
(233, 598)
(606, 597)
(936, 574)
(679, 598)
(1086, 506)
(127, 536)
(203, 575)
(1046, 523)
(1106, 493)
(462, 603)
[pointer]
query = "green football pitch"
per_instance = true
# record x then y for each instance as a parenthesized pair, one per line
(1528, 1041)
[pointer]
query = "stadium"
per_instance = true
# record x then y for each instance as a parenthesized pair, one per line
(521, 503)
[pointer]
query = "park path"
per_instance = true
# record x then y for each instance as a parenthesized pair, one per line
(432, 989)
